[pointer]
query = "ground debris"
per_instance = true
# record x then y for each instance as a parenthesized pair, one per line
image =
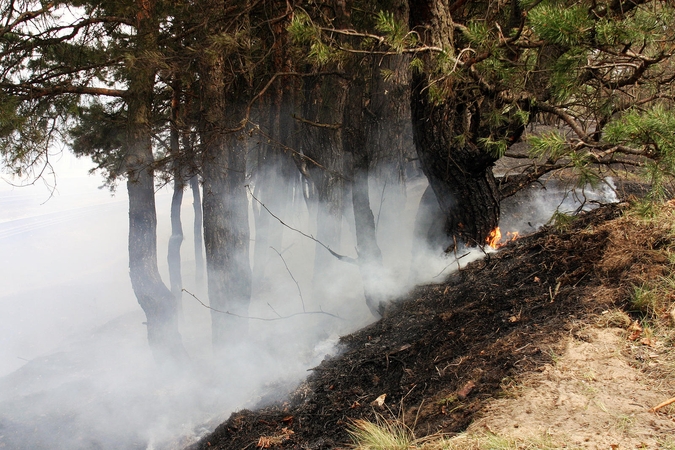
(445, 351)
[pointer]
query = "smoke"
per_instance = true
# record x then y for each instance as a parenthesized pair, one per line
(78, 373)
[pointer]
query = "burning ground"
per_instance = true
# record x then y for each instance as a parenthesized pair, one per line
(527, 341)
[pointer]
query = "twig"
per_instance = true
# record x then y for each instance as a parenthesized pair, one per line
(264, 319)
(379, 211)
(302, 300)
(273, 310)
(663, 404)
(309, 236)
(455, 261)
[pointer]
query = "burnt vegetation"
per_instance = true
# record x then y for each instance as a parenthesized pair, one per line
(312, 102)
(444, 350)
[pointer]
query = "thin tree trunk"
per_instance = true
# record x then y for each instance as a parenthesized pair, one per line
(198, 224)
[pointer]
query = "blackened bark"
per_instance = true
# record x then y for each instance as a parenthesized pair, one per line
(154, 297)
(446, 140)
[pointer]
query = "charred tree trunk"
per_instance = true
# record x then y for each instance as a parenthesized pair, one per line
(154, 297)
(445, 136)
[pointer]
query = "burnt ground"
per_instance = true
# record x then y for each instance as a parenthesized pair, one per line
(445, 350)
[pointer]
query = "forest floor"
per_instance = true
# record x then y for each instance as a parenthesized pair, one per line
(561, 339)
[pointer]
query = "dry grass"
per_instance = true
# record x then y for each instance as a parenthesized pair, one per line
(638, 272)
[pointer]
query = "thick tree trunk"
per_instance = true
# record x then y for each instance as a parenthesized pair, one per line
(225, 203)
(226, 237)
(445, 136)
(154, 297)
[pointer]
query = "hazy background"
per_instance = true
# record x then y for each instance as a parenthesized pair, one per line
(75, 368)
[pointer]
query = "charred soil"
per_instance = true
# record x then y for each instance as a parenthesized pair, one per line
(440, 356)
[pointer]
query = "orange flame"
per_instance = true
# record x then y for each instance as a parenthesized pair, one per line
(495, 237)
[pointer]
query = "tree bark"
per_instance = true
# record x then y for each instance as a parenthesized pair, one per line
(154, 297)
(225, 202)
(226, 237)
(445, 133)
(176, 239)
(198, 224)
(324, 104)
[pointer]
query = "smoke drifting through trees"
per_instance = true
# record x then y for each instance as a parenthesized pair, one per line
(304, 101)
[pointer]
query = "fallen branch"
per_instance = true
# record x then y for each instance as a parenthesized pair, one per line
(309, 236)
(663, 404)
(264, 319)
(302, 300)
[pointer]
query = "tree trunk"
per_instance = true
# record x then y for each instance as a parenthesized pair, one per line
(445, 136)
(198, 223)
(176, 239)
(323, 105)
(226, 237)
(154, 297)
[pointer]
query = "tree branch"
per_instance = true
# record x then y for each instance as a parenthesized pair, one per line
(337, 255)
(264, 319)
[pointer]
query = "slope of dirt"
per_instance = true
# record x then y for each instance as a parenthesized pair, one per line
(440, 357)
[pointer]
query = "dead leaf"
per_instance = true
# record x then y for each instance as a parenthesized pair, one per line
(634, 335)
(379, 401)
(269, 441)
(647, 341)
(466, 390)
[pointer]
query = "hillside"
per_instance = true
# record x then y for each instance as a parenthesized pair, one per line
(559, 339)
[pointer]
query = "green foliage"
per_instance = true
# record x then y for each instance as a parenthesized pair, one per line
(552, 144)
(394, 31)
(496, 148)
(653, 128)
(302, 30)
(652, 131)
(100, 133)
(566, 26)
(477, 32)
(562, 221)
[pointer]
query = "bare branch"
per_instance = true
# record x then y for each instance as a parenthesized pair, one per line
(337, 255)
(292, 277)
(264, 319)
